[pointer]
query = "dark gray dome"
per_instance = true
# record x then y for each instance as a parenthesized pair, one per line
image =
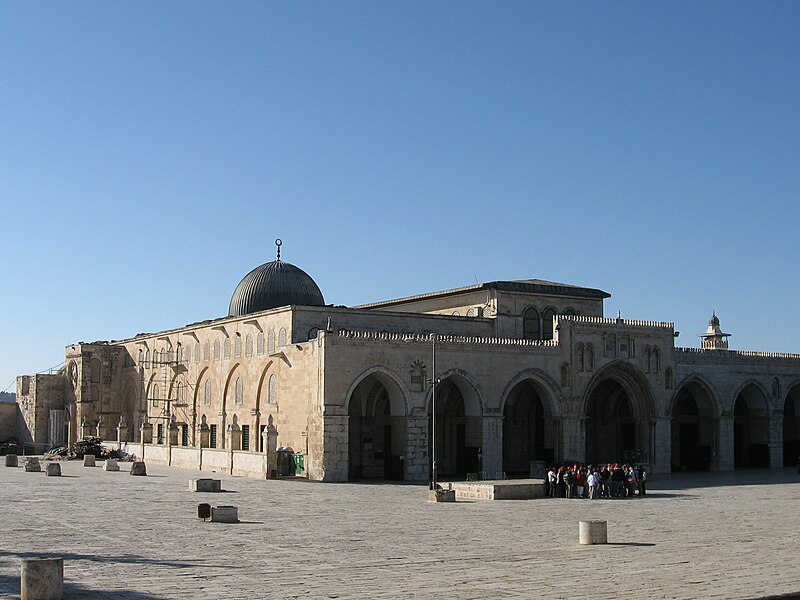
(274, 284)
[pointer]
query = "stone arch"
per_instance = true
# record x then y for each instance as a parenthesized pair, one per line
(751, 431)
(398, 391)
(549, 389)
(618, 409)
(694, 416)
(529, 434)
(791, 424)
(457, 441)
(377, 407)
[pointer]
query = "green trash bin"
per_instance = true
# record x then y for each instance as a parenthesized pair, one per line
(298, 464)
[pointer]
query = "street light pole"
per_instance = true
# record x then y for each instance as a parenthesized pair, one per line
(434, 381)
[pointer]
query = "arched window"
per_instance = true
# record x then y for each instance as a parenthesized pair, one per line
(530, 324)
(216, 349)
(155, 395)
(547, 323)
(272, 397)
(227, 346)
(260, 343)
(237, 345)
(271, 342)
(248, 345)
(312, 333)
(569, 312)
(197, 352)
(239, 397)
(647, 358)
(179, 353)
(179, 393)
(656, 360)
(207, 351)
(589, 360)
(282, 337)
(207, 393)
(579, 355)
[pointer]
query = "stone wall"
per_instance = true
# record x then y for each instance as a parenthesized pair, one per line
(9, 414)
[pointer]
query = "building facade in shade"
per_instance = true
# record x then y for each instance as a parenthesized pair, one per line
(526, 372)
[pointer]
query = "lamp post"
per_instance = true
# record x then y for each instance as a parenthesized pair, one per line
(433, 381)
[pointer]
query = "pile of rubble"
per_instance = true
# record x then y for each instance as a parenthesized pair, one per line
(76, 451)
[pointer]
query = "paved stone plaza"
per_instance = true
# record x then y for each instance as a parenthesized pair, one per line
(730, 535)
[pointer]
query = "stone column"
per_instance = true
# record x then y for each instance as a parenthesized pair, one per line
(147, 432)
(86, 428)
(572, 433)
(233, 436)
(122, 430)
(204, 434)
(725, 447)
(222, 430)
(172, 436)
(417, 466)
(492, 445)
(270, 441)
(661, 445)
(775, 441)
(99, 428)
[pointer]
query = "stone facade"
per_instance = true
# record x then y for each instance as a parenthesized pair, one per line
(519, 373)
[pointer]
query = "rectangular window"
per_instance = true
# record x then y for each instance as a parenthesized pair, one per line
(246, 437)
(184, 435)
(160, 434)
(213, 443)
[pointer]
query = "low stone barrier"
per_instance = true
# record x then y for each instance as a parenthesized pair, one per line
(224, 514)
(89, 460)
(205, 485)
(11, 460)
(593, 532)
(110, 465)
(138, 468)
(53, 470)
(440, 495)
(32, 465)
(42, 579)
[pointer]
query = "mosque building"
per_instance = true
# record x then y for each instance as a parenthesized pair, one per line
(519, 373)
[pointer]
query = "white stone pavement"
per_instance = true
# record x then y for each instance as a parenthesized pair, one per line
(733, 535)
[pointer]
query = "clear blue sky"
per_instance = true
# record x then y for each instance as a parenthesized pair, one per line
(150, 153)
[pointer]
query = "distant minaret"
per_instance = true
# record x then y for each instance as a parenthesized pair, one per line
(714, 338)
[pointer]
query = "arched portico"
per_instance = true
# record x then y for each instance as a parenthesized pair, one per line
(376, 428)
(695, 424)
(527, 409)
(459, 427)
(618, 414)
(751, 428)
(791, 426)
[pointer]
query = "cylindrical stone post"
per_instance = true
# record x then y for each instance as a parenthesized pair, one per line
(42, 579)
(11, 460)
(593, 532)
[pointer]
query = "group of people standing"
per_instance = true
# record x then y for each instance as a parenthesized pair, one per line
(596, 481)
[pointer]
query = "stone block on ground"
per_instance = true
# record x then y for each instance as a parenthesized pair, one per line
(440, 495)
(53, 470)
(110, 465)
(32, 465)
(89, 460)
(593, 532)
(138, 468)
(205, 485)
(11, 460)
(42, 579)
(224, 514)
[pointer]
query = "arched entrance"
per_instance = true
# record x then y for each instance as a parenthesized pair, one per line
(459, 430)
(750, 429)
(694, 431)
(791, 427)
(377, 429)
(524, 436)
(618, 413)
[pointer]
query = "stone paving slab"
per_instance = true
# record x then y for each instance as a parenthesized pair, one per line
(733, 535)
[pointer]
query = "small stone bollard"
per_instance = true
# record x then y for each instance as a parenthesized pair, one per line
(224, 514)
(593, 532)
(42, 579)
(110, 465)
(89, 460)
(53, 470)
(138, 468)
(439, 495)
(11, 460)
(205, 485)
(32, 465)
